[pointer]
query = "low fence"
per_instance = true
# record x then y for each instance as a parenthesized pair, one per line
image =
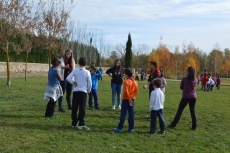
(18, 67)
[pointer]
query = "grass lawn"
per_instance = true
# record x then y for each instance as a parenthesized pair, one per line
(24, 129)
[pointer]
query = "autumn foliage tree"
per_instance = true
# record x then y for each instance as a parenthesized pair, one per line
(162, 56)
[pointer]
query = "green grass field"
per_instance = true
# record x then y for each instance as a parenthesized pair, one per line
(24, 129)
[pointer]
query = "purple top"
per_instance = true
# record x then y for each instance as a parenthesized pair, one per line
(189, 87)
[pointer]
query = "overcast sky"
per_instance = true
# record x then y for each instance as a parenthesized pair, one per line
(202, 22)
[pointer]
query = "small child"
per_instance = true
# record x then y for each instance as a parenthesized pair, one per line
(157, 99)
(82, 86)
(211, 83)
(136, 76)
(95, 76)
(129, 94)
(53, 88)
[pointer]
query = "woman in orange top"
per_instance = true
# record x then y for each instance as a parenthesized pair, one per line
(129, 94)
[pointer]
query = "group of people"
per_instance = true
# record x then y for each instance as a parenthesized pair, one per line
(208, 82)
(81, 82)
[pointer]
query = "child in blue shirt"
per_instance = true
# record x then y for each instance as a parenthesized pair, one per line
(95, 75)
(53, 88)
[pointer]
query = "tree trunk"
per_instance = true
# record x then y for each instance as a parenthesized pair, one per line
(7, 64)
(26, 65)
(49, 60)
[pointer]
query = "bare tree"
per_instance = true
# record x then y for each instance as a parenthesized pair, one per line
(120, 48)
(15, 17)
(101, 45)
(54, 21)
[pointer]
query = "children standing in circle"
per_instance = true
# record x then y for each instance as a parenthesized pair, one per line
(157, 99)
(188, 85)
(67, 65)
(82, 85)
(129, 94)
(116, 73)
(53, 88)
(93, 95)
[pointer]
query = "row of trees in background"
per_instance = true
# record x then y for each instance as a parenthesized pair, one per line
(32, 31)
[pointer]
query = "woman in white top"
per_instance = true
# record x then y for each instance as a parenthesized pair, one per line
(67, 65)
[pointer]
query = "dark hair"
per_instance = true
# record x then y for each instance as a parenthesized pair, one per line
(154, 63)
(82, 61)
(157, 82)
(93, 68)
(92, 65)
(55, 61)
(128, 72)
(119, 67)
(191, 73)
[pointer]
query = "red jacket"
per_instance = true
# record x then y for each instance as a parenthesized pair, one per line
(205, 80)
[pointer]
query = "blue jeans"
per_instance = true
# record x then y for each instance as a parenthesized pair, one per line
(124, 108)
(93, 95)
(116, 91)
(154, 115)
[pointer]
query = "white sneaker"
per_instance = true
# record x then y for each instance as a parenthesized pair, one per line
(119, 106)
(113, 107)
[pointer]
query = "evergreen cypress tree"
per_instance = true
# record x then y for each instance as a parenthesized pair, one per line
(128, 52)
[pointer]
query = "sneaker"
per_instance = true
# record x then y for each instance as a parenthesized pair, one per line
(83, 127)
(171, 127)
(53, 116)
(151, 132)
(193, 129)
(131, 131)
(113, 107)
(117, 130)
(61, 110)
(74, 124)
(90, 108)
(119, 106)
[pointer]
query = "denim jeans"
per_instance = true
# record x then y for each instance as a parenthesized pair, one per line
(124, 108)
(183, 103)
(116, 91)
(66, 86)
(154, 115)
(93, 96)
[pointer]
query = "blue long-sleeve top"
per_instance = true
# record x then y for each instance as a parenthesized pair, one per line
(95, 78)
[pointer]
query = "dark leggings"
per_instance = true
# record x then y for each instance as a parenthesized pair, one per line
(66, 86)
(182, 105)
(50, 108)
